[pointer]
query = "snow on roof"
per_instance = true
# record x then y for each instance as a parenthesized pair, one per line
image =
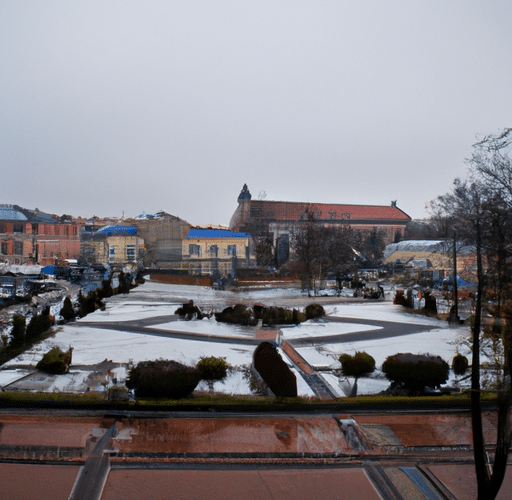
(431, 246)
(7, 212)
(118, 230)
(215, 233)
(417, 246)
(144, 216)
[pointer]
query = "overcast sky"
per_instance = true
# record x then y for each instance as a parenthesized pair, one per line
(112, 107)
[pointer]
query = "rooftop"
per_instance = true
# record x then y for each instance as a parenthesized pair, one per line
(8, 212)
(215, 233)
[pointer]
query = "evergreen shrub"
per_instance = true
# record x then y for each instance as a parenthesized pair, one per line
(67, 311)
(240, 314)
(314, 311)
(38, 324)
(274, 371)
(18, 330)
(212, 369)
(460, 364)
(415, 372)
(55, 361)
(162, 379)
(357, 365)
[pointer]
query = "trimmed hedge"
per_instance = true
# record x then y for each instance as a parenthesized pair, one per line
(55, 361)
(357, 365)
(274, 371)
(238, 315)
(314, 311)
(162, 379)
(212, 369)
(416, 371)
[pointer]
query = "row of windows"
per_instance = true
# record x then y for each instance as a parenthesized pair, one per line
(213, 251)
(130, 252)
(18, 228)
(18, 248)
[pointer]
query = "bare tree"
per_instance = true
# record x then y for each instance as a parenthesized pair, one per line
(470, 208)
(308, 246)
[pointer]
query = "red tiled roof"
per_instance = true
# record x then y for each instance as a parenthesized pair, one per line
(284, 210)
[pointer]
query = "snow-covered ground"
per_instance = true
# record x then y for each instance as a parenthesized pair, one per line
(93, 345)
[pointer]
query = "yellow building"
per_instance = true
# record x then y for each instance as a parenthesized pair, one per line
(115, 245)
(216, 251)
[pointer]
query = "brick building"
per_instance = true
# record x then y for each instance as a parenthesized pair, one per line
(34, 237)
(279, 219)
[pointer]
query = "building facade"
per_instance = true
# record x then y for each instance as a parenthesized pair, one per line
(434, 257)
(216, 252)
(114, 245)
(34, 237)
(163, 236)
(279, 220)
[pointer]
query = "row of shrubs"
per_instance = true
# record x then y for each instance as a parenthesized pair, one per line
(413, 372)
(173, 380)
(244, 315)
(23, 335)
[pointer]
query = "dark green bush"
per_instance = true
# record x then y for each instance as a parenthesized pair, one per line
(124, 283)
(212, 369)
(239, 315)
(357, 365)
(314, 311)
(430, 303)
(277, 316)
(274, 371)
(162, 379)
(39, 323)
(67, 311)
(460, 364)
(105, 290)
(55, 361)
(415, 372)
(18, 330)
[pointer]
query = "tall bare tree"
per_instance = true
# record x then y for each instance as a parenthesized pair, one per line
(473, 209)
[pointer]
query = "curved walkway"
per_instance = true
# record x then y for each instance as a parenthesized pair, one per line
(383, 329)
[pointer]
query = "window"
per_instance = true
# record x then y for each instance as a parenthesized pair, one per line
(2, 228)
(194, 250)
(18, 247)
(232, 250)
(18, 228)
(130, 252)
(214, 251)
(4, 248)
